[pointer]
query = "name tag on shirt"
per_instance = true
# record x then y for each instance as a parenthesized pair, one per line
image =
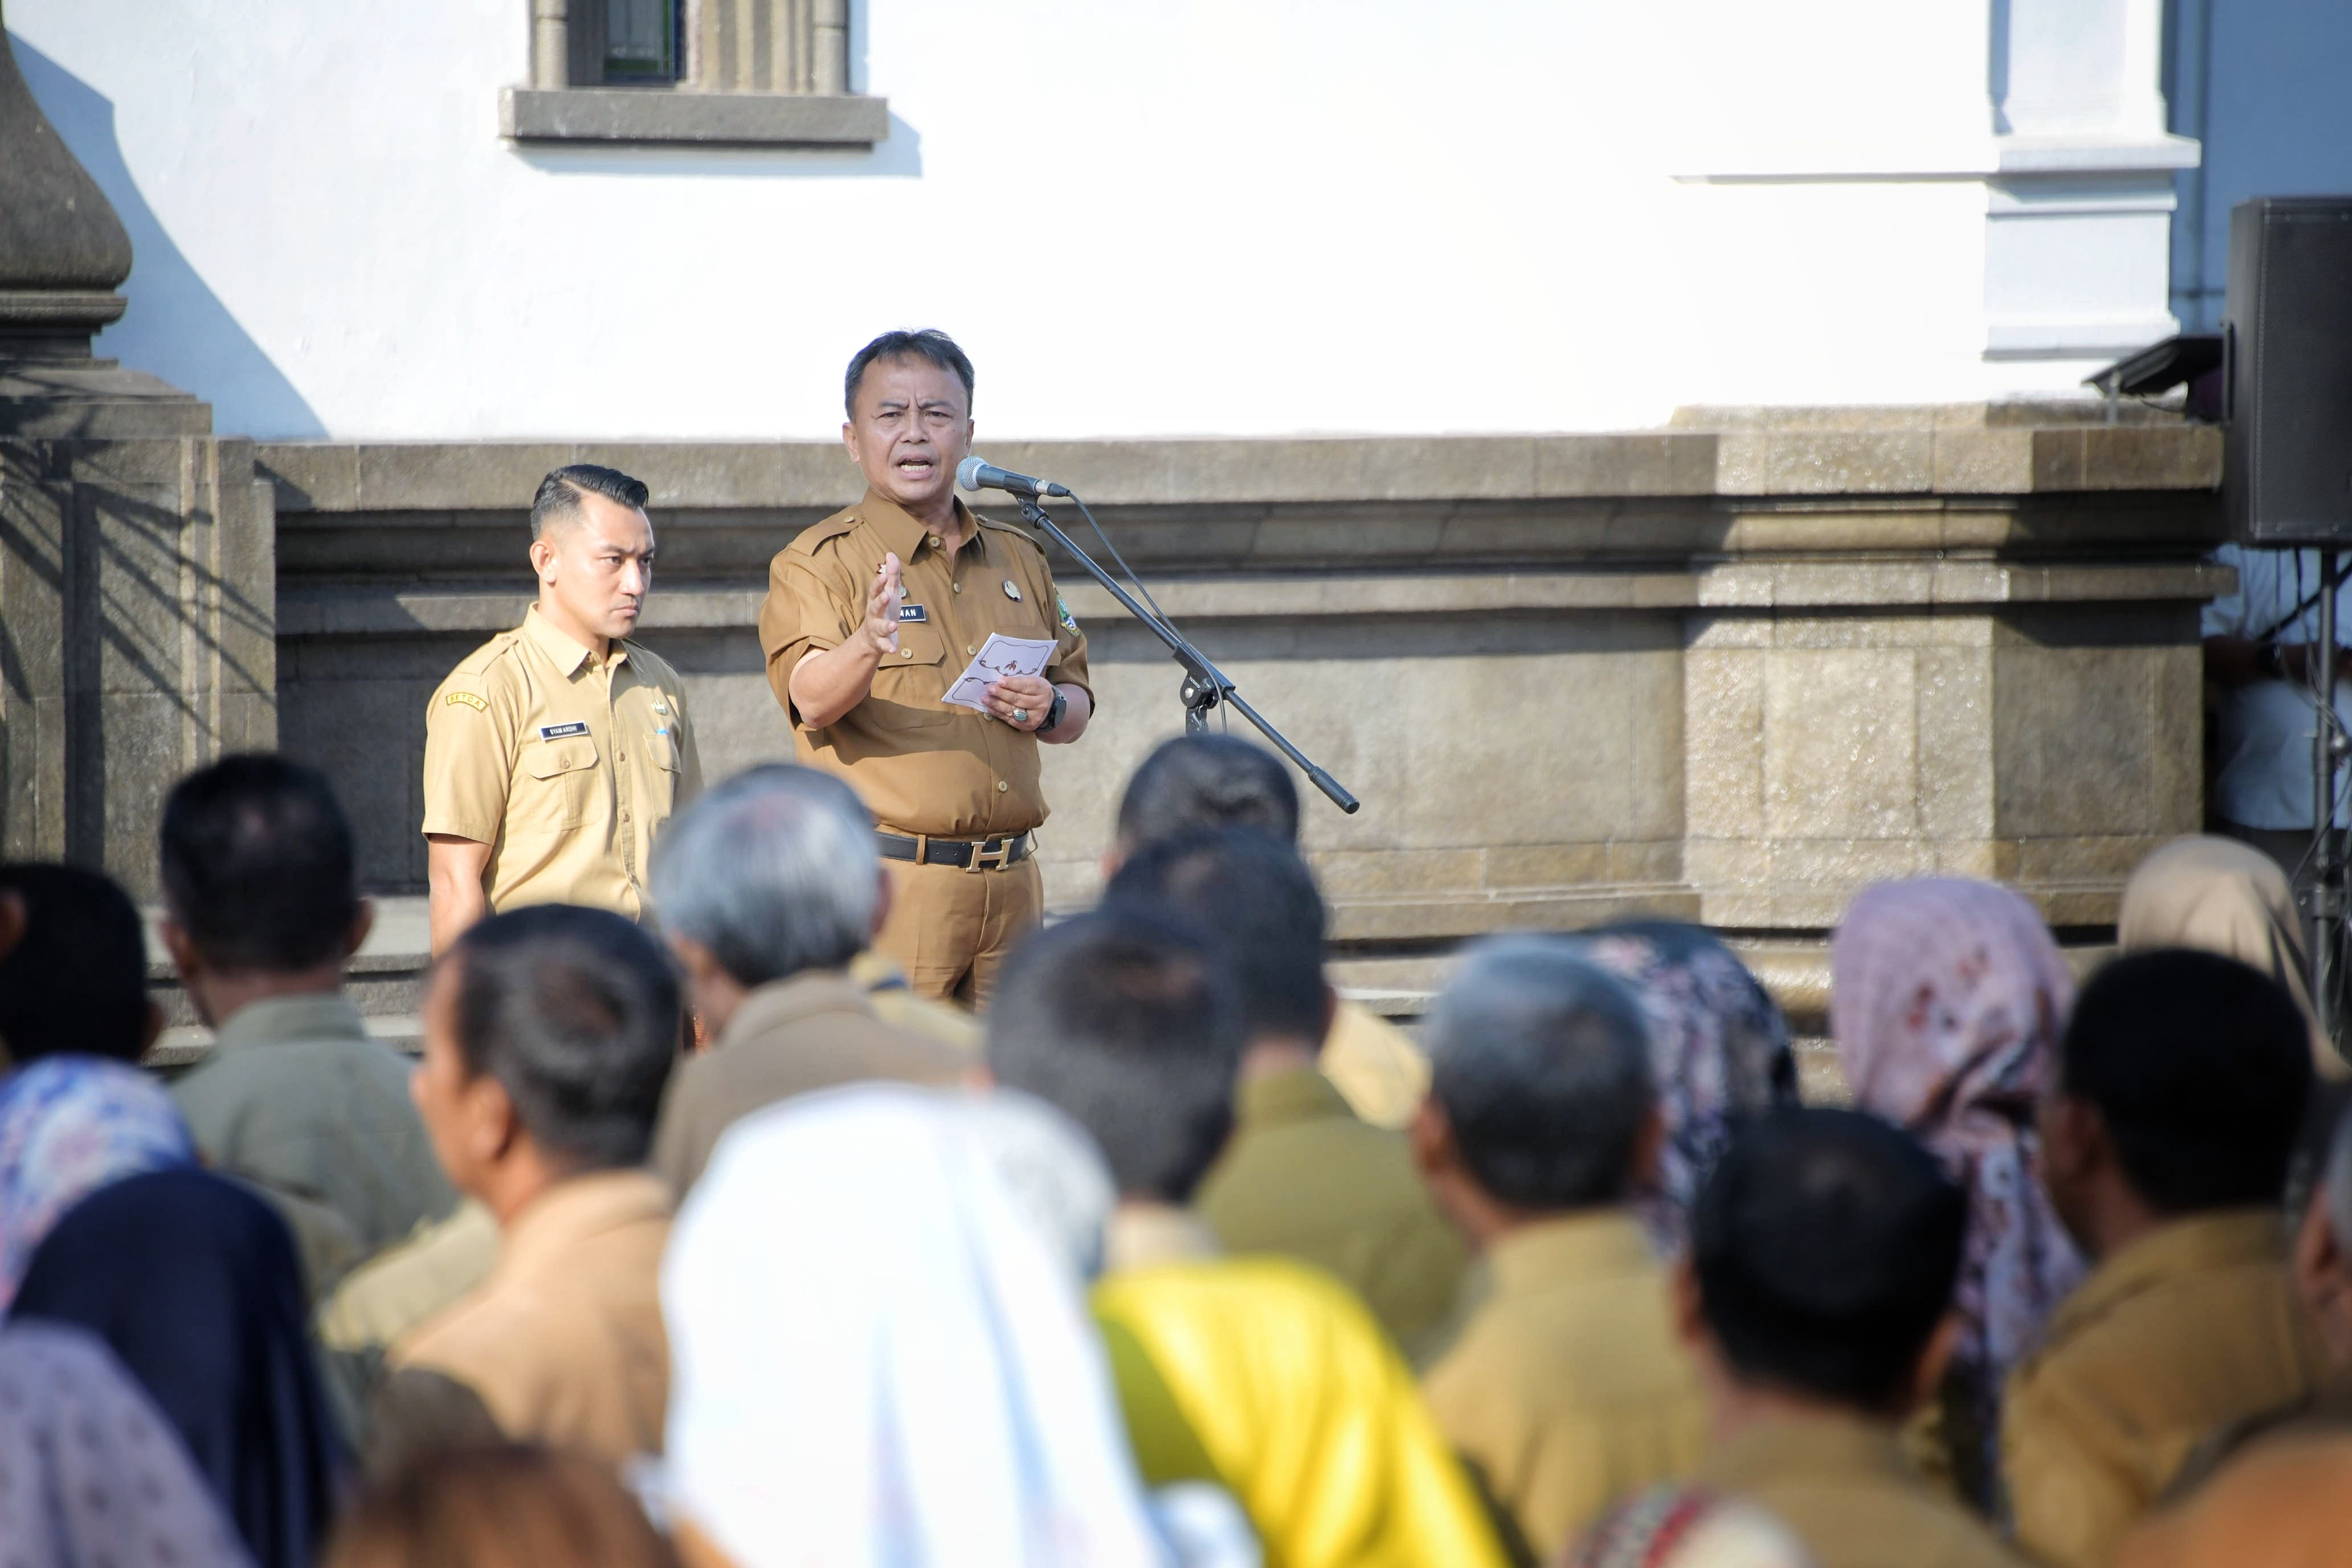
(914, 612)
(562, 731)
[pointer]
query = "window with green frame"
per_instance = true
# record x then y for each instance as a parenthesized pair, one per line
(641, 40)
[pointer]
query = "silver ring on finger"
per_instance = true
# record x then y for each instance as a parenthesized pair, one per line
(1021, 715)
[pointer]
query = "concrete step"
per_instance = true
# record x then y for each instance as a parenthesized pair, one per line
(387, 981)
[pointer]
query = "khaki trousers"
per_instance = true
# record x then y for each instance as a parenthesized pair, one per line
(952, 930)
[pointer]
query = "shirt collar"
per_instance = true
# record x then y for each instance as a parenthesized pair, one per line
(1300, 1094)
(573, 1210)
(281, 1020)
(2225, 1238)
(901, 532)
(1592, 1244)
(566, 655)
(780, 1003)
(1827, 1444)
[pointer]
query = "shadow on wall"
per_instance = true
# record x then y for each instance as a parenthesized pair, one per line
(176, 327)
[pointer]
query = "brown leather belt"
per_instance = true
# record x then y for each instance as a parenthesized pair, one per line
(972, 853)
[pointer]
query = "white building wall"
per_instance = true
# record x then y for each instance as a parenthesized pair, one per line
(1163, 218)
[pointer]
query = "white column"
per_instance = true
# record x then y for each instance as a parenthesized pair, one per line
(2078, 224)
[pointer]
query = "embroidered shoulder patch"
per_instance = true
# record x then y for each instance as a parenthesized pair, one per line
(469, 699)
(1069, 621)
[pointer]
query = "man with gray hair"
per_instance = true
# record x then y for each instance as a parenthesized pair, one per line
(1568, 1388)
(768, 888)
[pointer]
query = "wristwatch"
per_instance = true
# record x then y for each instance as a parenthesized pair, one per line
(1053, 714)
(2271, 660)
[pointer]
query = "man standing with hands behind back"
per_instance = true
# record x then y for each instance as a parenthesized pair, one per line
(555, 751)
(871, 616)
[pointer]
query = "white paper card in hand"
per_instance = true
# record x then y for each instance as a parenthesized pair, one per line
(999, 656)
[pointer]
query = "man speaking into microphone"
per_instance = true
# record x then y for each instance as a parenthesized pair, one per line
(871, 616)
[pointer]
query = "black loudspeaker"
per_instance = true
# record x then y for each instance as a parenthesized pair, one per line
(2287, 330)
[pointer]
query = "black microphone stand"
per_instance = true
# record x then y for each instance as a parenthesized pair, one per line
(1206, 684)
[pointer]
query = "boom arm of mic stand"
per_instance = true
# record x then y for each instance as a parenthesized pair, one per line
(1205, 684)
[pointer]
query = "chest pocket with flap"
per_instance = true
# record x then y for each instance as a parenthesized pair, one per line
(908, 684)
(563, 785)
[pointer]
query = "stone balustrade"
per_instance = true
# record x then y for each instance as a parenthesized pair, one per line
(1731, 670)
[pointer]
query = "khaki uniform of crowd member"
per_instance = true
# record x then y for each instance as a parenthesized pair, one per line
(563, 1344)
(297, 1098)
(2191, 1327)
(962, 784)
(808, 1032)
(1302, 1177)
(436, 1267)
(1568, 1390)
(1841, 1485)
(565, 762)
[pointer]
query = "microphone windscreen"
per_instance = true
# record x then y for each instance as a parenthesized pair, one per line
(968, 473)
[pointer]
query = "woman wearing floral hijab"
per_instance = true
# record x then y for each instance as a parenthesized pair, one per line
(1718, 1047)
(1948, 997)
(68, 1126)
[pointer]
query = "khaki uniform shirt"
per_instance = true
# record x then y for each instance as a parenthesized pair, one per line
(298, 1099)
(921, 766)
(1569, 1388)
(1375, 1065)
(795, 1036)
(564, 1342)
(1841, 1485)
(1305, 1178)
(564, 763)
(2193, 1326)
(441, 1263)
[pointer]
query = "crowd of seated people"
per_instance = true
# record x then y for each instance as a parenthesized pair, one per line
(701, 1243)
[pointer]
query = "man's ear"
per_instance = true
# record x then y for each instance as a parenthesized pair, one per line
(1331, 1011)
(1927, 1374)
(1430, 1136)
(2074, 1140)
(2321, 1275)
(492, 1127)
(181, 946)
(849, 439)
(542, 560)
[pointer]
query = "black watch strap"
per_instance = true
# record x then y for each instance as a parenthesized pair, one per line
(1053, 714)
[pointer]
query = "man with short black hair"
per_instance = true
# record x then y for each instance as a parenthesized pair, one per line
(871, 617)
(554, 753)
(1567, 1389)
(76, 981)
(1191, 782)
(1259, 1375)
(2165, 1145)
(262, 913)
(1222, 781)
(1817, 1297)
(768, 888)
(1302, 1176)
(548, 1033)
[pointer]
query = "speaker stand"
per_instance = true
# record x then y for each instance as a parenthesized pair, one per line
(2327, 748)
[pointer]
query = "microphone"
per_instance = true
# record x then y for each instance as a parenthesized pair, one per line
(973, 474)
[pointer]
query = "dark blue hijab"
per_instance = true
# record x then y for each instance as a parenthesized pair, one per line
(193, 1283)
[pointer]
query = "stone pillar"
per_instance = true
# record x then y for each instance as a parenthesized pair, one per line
(138, 607)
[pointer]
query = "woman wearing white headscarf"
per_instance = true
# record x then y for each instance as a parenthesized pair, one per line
(880, 1350)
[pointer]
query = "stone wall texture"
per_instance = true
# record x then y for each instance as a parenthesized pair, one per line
(1727, 671)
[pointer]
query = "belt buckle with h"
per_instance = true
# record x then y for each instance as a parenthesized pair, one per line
(986, 857)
